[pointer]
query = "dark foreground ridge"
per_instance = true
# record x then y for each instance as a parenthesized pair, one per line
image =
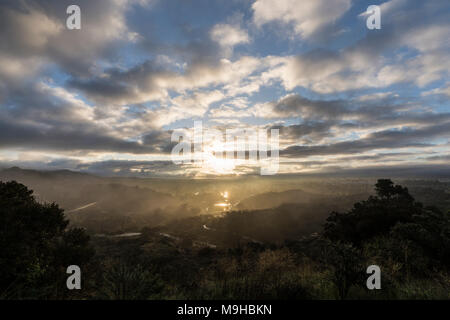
(250, 254)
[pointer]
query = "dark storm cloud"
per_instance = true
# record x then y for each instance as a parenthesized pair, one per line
(64, 137)
(445, 157)
(389, 139)
(360, 159)
(307, 131)
(389, 110)
(41, 117)
(68, 137)
(298, 105)
(392, 156)
(120, 87)
(295, 105)
(425, 170)
(322, 119)
(37, 118)
(102, 88)
(159, 141)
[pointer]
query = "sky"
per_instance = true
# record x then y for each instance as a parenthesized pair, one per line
(106, 98)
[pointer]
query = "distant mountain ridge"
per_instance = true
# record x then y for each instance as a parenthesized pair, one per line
(275, 199)
(17, 171)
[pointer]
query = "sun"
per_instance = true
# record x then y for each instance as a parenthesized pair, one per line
(211, 163)
(218, 165)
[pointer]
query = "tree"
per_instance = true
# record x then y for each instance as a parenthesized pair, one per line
(347, 267)
(343, 261)
(392, 225)
(35, 247)
(374, 216)
(430, 232)
(386, 189)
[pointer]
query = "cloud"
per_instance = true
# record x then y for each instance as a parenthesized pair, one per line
(371, 61)
(444, 90)
(228, 36)
(387, 139)
(38, 29)
(307, 17)
(117, 87)
(150, 82)
(296, 105)
(133, 167)
(322, 121)
(403, 170)
(42, 117)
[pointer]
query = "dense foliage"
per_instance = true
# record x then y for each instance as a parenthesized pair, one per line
(35, 245)
(261, 254)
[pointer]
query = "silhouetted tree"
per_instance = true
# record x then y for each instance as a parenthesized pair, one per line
(430, 233)
(35, 248)
(375, 216)
(386, 189)
(401, 229)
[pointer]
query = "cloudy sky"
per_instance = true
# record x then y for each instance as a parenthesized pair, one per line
(106, 98)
